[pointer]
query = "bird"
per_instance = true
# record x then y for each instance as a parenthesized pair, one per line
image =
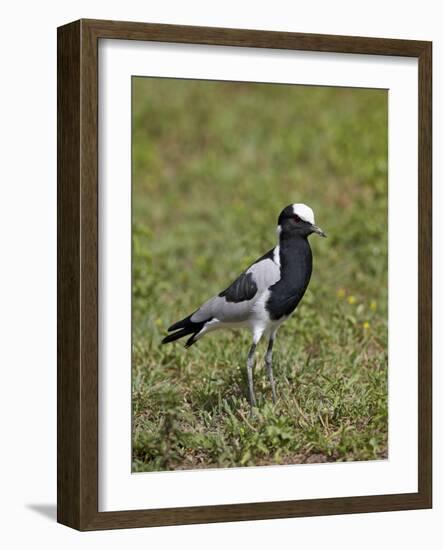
(263, 296)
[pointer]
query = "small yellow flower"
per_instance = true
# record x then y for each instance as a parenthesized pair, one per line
(366, 325)
(351, 300)
(341, 292)
(158, 322)
(373, 305)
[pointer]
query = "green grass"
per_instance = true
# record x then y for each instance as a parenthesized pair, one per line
(213, 164)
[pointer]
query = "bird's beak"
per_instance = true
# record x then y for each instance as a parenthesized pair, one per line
(317, 230)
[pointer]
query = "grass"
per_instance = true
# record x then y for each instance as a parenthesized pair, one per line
(213, 165)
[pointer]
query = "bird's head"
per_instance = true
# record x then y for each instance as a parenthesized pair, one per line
(297, 219)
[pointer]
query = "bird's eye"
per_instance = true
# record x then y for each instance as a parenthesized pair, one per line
(296, 218)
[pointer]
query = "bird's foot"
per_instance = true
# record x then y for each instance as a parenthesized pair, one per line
(252, 405)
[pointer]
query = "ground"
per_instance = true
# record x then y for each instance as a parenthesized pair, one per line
(213, 165)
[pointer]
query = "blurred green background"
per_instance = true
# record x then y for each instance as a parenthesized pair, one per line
(213, 165)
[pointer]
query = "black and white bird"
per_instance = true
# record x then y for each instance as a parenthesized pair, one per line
(264, 295)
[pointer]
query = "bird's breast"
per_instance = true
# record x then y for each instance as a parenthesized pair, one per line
(296, 270)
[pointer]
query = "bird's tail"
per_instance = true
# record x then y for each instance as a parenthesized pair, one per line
(184, 328)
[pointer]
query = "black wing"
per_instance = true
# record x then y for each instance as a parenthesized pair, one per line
(243, 288)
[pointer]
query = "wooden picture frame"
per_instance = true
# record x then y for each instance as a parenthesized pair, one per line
(78, 274)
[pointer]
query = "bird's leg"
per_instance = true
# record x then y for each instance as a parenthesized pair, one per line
(268, 363)
(250, 370)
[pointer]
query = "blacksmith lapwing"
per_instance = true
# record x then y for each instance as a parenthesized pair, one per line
(264, 295)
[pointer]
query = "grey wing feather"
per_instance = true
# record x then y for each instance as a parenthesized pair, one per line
(260, 275)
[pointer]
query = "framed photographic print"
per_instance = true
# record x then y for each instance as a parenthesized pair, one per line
(199, 172)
